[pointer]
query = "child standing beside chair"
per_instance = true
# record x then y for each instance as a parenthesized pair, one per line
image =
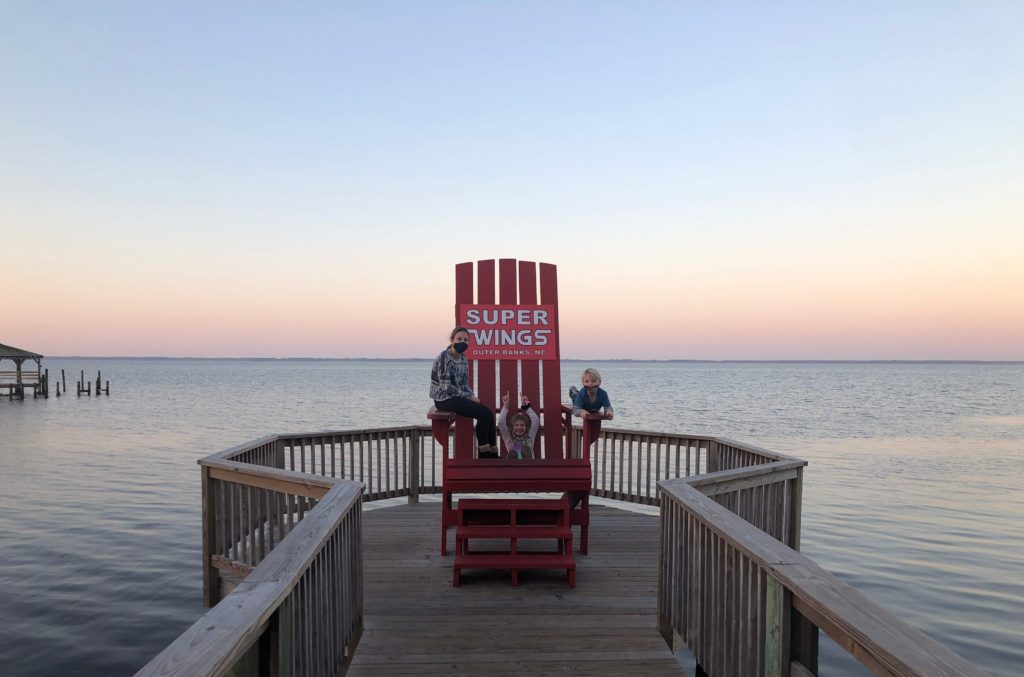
(592, 399)
(520, 433)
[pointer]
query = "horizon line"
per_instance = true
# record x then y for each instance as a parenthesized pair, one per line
(564, 359)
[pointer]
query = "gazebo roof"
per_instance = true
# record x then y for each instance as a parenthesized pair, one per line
(10, 353)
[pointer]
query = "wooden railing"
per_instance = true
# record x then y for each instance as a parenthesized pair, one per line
(628, 465)
(248, 511)
(24, 377)
(385, 460)
(283, 551)
(746, 603)
(282, 535)
(729, 454)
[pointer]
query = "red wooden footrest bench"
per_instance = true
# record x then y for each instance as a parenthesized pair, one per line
(513, 519)
(571, 476)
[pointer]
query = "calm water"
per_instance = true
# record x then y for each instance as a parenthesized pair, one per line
(913, 493)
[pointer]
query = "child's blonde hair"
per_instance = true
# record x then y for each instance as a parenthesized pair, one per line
(592, 373)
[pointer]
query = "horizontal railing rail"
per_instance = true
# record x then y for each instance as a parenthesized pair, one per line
(24, 376)
(385, 460)
(381, 459)
(249, 509)
(299, 612)
(747, 604)
(769, 496)
(280, 542)
(628, 465)
(407, 461)
(729, 454)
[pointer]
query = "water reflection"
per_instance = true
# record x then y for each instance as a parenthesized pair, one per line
(913, 493)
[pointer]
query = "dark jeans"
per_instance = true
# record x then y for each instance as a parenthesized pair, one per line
(485, 433)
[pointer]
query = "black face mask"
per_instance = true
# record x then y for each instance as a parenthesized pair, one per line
(461, 347)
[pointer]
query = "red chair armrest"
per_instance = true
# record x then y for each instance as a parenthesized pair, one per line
(434, 415)
(440, 422)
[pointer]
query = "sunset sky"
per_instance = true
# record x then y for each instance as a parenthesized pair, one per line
(713, 180)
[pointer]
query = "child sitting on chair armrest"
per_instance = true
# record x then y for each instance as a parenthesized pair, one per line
(519, 433)
(592, 398)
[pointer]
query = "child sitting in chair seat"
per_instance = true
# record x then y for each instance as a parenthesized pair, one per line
(519, 433)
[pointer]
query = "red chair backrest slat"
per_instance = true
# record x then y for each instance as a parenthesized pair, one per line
(464, 294)
(516, 282)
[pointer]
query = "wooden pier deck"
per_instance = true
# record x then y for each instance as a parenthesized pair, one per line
(415, 622)
(334, 579)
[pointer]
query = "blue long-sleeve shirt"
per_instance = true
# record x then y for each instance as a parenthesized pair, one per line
(582, 402)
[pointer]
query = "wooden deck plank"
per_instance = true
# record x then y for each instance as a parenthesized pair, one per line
(416, 622)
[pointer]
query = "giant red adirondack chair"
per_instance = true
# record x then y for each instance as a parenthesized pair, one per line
(530, 291)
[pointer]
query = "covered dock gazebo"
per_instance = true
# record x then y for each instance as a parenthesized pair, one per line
(16, 380)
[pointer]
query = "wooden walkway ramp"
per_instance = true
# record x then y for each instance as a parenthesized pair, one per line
(415, 622)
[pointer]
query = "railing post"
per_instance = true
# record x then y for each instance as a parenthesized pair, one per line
(570, 436)
(796, 509)
(713, 456)
(279, 454)
(281, 660)
(248, 664)
(211, 579)
(666, 584)
(805, 643)
(414, 467)
(777, 628)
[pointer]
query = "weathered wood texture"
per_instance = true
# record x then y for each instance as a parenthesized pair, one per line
(299, 612)
(766, 495)
(628, 465)
(407, 461)
(735, 594)
(381, 459)
(247, 511)
(416, 623)
(727, 577)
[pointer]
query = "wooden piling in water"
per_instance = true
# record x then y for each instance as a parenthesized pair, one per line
(39, 382)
